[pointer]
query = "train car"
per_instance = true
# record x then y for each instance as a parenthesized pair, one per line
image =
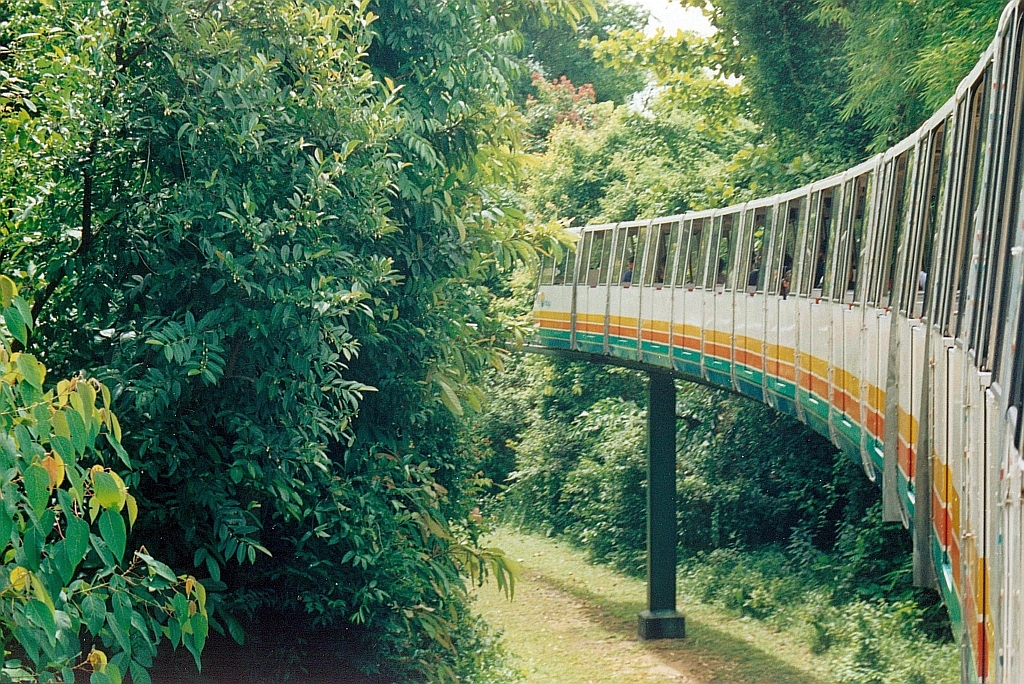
(882, 307)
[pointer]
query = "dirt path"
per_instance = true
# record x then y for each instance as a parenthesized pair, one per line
(574, 623)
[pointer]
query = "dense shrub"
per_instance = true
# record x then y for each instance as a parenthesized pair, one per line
(75, 597)
(270, 227)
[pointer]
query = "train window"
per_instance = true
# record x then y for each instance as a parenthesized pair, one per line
(694, 274)
(942, 154)
(808, 262)
(759, 245)
(746, 254)
(1002, 212)
(654, 270)
(967, 203)
(641, 250)
(606, 257)
(588, 241)
(875, 252)
(915, 272)
(570, 267)
(630, 237)
(784, 248)
(823, 252)
(710, 255)
(899, 199)
(726, 250)
(685, 233)
(600, 251)
(859, 207)
(1016, 397)
(547, 270)
(620, 248)
(843, 240)
(669, 259)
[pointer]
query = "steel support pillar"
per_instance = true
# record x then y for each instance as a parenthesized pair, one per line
(660, 620)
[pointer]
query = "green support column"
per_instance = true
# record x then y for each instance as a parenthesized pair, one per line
(660, 620)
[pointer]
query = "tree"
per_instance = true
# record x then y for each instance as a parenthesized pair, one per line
(270, 227)
(559, 48)
(906, 59)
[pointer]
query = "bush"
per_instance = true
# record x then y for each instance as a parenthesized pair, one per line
(68, 580)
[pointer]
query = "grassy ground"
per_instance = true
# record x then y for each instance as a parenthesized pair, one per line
(575, 623)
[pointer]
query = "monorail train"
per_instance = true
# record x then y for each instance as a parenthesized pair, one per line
(882, 307)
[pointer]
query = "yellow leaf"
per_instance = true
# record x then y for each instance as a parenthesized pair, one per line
(60, 425)
(54, 466)
(98, 660)
(117, 427)
(133, 509)
(39, 591)
(8, 290)
(20, 578)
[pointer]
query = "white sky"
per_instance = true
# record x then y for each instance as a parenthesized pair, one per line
(672, 16)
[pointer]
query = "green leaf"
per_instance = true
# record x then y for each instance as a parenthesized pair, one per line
(113, 531)
(59, 554)
(76, 537)
(114, 673)
(64, 447)
(200, 630)
(42, 616)
(94, 609)
(157, 567)
(450, 399)
(33, 371)
(79, 432)
(6, 525)
(37, 487)
(139, 673)
(99, 678)
(107, 493)
(123, 610)
(123, 640)
(234, 629)
(16, 324)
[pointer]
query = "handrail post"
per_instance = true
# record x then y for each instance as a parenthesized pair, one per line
(660, 620)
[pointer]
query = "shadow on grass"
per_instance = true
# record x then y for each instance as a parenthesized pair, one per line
(722, 656)
(278, 649)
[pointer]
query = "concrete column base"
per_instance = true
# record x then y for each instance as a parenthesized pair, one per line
(661, 624)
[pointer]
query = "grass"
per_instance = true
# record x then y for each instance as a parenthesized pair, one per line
(574, 622)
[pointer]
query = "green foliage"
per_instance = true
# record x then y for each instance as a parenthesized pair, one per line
(66, 582)
(879, 641)
(905, 59)
(629, 165)
(271, 228)
(561, 49)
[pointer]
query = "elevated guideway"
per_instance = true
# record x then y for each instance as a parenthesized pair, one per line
(881, 307)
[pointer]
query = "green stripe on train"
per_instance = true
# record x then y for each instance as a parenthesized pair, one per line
(748, 374)
(716, 364)
(848, 428)
(814, 403)
(786, 389)
(687, 355)
(946, 584)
